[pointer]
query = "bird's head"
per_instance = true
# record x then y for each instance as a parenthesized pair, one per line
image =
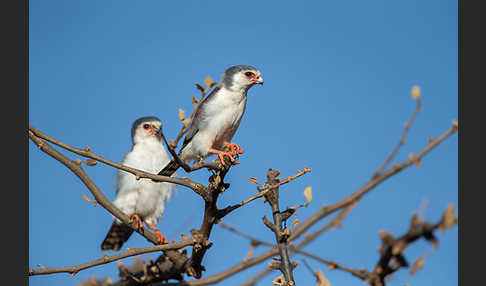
(144, 128)
(241, 77)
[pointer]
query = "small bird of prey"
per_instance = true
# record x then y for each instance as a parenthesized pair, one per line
(217, 118)
(142, 199)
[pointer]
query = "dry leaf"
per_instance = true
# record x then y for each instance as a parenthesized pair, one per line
(286, 231)
(278, 280)
(417, 265)
(410, 156)
(184, 237)
(41, 266)
(253, 180)
(321, 279)
(417, 163)
(194, 100)
(78, 161)
(186, 122)
(308, 196)
(182, 114)
(294, 223)
(416, 92)
(172, 143)
(87, 148)
(208, 81)
(249, 255)
(91, 162)
(137, 177)
(448, 219)
(86, 198)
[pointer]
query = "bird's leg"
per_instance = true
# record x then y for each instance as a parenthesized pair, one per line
(137, 218)
(160, 237)
(233, 147)
(221, 154)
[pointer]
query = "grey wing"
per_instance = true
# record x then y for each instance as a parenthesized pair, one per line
(190, 133)
(193, 129)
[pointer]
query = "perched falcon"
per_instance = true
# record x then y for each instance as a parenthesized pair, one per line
(217, 117)
(142, 199)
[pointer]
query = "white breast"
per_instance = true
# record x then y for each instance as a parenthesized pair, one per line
(218, 117)
(143, 197)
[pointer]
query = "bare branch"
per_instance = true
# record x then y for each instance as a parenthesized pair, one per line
(401, 142)
(370, 185)
(272, 197)
(263, 192)
(254, 241)
(139, 173)
(100, 197)
(184, 129)
(325, 211)
(73, 270)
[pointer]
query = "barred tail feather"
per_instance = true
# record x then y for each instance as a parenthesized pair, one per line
(117, 235)
(169, 169)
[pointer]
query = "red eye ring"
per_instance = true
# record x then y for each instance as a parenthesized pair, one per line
(146, 126)
(250, 74)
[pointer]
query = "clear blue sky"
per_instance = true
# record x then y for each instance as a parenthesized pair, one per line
(337, 76)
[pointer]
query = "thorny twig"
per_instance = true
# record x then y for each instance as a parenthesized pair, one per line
(110, 258)
(327, 210)
(401, 142)
(139, 173)
(281, 237)
(99, 196)
(263, 192)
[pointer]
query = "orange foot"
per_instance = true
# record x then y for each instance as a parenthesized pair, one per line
(234, 148)
(160, 237)
(137, 218)
(221, 154)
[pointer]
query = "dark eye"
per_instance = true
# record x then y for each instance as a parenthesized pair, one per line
(146, 126)
(249, 74)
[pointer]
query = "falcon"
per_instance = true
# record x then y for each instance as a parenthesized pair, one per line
(143, 199)
(217, 118)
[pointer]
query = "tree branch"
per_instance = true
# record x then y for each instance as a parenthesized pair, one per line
(263, 191)
(401, 142)
(272, 197)
(325, 211)
(78, 170)
(139, 173)
(73, 270)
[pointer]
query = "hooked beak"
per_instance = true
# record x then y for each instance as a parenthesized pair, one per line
(158, 131)
(259, 80)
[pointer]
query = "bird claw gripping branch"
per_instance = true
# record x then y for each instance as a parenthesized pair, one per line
(233, 148)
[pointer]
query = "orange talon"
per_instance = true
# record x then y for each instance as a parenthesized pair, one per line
(221, 155)
(233, 147)
(160, 237)
(137, 218)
